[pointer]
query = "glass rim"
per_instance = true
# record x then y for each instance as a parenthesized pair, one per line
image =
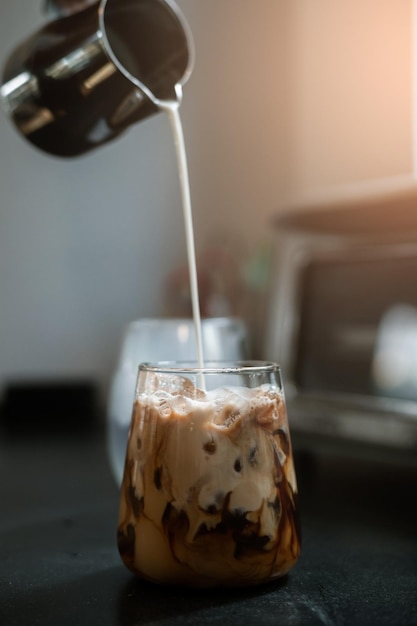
(221, 320)
(211, 367)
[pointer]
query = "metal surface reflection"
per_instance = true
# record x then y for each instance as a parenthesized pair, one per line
(85, 77)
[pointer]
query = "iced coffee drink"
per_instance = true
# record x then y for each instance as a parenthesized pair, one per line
(209, 493)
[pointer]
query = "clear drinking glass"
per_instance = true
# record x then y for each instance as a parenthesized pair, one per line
(209, 492)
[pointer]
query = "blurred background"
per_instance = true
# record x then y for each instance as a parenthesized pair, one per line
(288, 99)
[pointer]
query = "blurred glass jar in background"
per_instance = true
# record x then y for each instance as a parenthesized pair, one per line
(224, 339)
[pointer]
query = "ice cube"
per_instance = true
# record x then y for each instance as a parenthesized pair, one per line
(230, 409)
(181, 404)
(178, 385)
(162, 402)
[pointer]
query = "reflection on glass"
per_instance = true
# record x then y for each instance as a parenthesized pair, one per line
(394, 367)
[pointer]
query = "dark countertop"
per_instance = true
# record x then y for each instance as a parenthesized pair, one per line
(59, 563)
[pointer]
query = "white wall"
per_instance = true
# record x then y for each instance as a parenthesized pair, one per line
(234, 113)
(350, 79)
(287, 97)
(290, 97)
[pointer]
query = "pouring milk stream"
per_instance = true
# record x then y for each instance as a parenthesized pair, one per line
(174, 117)
(168, 98)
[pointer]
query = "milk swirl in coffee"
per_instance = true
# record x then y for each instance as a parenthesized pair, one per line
(209, 493)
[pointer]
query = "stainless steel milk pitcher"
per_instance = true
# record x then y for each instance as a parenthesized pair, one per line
(84, 78)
